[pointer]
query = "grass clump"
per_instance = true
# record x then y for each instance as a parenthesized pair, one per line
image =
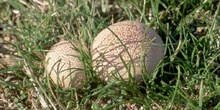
(187, 78)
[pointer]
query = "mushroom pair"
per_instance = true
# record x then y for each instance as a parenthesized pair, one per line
(124, 50)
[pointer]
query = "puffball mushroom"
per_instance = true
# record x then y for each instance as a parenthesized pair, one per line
(63, 66)
(126, 48)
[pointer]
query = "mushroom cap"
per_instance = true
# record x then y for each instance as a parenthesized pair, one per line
(126, 48)
(63, 66)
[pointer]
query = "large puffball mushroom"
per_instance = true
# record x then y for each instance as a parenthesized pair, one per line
(126, 48)
(63, 65)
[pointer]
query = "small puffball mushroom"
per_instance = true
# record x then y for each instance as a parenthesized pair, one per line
(123, 48)
(63, 66)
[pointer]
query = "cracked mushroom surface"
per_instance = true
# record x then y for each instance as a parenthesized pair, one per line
(126, 49)
(63, 66)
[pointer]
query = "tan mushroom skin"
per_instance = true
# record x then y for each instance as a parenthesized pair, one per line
(63, 66)
(123, 48)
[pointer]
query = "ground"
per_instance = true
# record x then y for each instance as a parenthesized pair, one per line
(187, 78)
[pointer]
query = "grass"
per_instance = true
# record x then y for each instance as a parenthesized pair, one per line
(187, 77)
